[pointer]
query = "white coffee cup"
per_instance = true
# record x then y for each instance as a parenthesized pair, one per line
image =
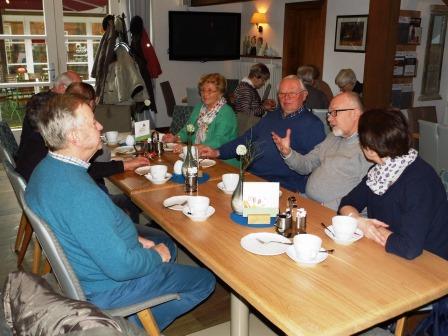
(158, 172)
(307, 246)
(178, 167)
(198, 205)
(230, 181)
(194, 151)
(112, 137)
(344, 227)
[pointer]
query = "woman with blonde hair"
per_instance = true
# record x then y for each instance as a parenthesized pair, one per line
(215, 121)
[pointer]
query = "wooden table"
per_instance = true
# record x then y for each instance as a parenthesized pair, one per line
(130, 182)
(360, 285)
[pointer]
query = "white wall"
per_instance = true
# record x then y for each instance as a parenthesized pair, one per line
(182, 74)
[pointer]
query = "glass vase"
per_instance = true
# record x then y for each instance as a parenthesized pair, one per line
(237, 196)
(190, 170)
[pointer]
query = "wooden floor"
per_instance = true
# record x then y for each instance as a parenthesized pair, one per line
(214, 311)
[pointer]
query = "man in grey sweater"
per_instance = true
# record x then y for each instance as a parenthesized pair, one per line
(337, 164)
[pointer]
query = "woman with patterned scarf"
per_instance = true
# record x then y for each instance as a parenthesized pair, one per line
(215, 121)
(406, 202)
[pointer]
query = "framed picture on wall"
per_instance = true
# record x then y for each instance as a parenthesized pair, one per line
(351, 33)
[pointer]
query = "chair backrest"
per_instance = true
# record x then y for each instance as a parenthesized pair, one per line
(442, 152)
(7, 139)
(428, 142)
(5, 155)
(181, 114)
(193, 97)
(17, 181)
(168, 95)
(67, 279)
(415, 114)
(322, 115)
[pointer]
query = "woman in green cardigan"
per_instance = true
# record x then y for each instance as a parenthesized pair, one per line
(215, 121)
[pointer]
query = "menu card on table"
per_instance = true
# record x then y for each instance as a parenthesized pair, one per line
(260, 201)
(141, 130)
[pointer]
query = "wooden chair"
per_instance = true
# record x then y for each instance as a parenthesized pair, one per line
(25, 231)
(69, 283)
(168, 96)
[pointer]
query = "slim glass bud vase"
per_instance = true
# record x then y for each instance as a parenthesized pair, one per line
(237, 196)
(190, 170)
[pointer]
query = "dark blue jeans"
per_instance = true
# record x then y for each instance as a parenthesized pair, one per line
(193, 284)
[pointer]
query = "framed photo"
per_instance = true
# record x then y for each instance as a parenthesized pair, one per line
(351, 33)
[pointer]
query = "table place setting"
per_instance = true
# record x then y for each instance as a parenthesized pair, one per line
(344, 230)
(228, 183)
(158, 174)
(307, 250)
(176, 203)
(142, 170)
(265, 243)
(198, 208)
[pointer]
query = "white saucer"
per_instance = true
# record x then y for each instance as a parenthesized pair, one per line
(222, 188)
(321, 256)
(186, 212)
(167, 177)
(142, 170)
(125, 150)
(356, 236)
(206, 163)
(176, 202)
(251, 244)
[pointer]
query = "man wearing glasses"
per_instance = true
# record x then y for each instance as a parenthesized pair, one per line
(337, 164)
(291, 114)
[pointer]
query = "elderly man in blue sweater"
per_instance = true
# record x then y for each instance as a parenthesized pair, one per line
(292, 114)
(115, 266)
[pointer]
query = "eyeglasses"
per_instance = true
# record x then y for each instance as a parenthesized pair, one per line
(334, 113)
(290, 94)
(208, 92)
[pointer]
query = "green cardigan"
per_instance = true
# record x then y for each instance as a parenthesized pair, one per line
(222, 129)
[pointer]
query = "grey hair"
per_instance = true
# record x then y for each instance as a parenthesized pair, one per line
(63, 79)
(344, 77)
(259, 70)
(306, 74)
(294, 77)
(60, 118)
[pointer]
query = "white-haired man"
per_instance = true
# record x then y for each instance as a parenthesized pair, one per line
(115, 266)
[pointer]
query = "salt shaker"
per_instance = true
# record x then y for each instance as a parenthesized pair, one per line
(301, 220)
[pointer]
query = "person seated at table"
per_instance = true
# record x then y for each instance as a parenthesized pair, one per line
(319, 84)
(246, 97)
(100, 167)
(215, 121)
(316, 99)
(346, 81)
(337, 164)
(115, 266)
(307, 129)
(32, 148)
(406, 202)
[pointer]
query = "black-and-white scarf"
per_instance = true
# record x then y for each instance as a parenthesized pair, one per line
(382, 176)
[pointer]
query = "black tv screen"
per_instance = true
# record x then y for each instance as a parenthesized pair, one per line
(204, 36)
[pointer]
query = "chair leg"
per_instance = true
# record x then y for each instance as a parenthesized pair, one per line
(399, 328)
(47, 267)
(36, 257)
(20, 232)
(26, 241)
(149, 322)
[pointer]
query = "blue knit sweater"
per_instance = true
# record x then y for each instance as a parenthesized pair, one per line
(306, 132)
(99, 239)
(415, 207)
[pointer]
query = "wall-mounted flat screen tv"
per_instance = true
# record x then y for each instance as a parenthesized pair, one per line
(204, 36)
